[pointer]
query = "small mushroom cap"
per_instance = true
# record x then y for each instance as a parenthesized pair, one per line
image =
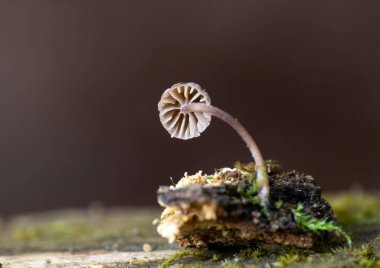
(179, 124)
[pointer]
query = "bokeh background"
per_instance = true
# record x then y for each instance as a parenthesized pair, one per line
(80, 82)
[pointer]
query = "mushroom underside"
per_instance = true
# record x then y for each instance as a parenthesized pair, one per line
(179, 124)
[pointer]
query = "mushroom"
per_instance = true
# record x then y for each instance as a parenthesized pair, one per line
(179, 124)
(185, 112)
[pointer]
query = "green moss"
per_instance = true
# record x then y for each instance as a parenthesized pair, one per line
(196, 265)
(55, 230)
(79, 229)
(355, 208)
(364, 250)
(230, 264)
(249, 192)
(288, 259)
(197, 254)
(25, 234)
(279, 204)
(364, 257)
(216, 257)
(309, 223)
(369, 262)
(249, 253)
(341, 250)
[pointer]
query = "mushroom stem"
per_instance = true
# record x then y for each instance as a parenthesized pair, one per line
(262, 176)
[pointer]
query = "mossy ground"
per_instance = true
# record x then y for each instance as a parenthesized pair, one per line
(77, 230)
(123, 230)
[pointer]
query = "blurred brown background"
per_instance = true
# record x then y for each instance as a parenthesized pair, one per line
(80, 82)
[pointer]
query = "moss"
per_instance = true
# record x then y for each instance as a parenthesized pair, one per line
(249, 192)
(308, 223)
(279, 204)
(341, 250)
(216, 257)
(249, 253)
(73, 230)
(249, 188)
(197, 265)
(197, 254)
(368, 262)
(230, 264)
(355, 208)
(55, 230)
(365, 257)
(25, 234)
(288, 259)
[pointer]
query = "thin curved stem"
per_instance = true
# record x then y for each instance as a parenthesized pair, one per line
(262, 176)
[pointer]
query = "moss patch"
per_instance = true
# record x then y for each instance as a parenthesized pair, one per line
(72, 230)
(183, 255)
(309, 223)
(363, 256)
(355, 208)
(288, 259)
